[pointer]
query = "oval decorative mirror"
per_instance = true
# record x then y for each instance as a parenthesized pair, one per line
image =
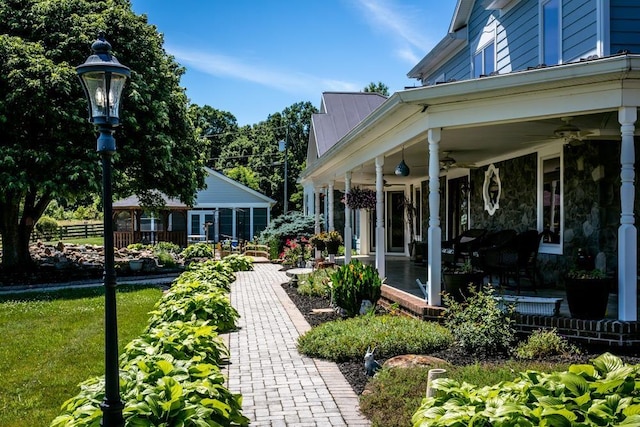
(491, 189)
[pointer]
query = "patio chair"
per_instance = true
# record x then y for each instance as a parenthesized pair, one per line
(460, 249)
(522, 260)
(488, 257)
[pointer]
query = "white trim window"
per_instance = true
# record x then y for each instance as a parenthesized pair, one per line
(551, 201)
(484, 57)
(550, 32)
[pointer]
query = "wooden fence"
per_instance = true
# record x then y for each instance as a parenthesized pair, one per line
(66, 232)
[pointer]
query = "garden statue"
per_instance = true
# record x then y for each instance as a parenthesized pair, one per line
(370, 364)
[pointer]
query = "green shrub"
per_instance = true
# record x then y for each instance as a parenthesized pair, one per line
(544, 343)
(167, 247)
(600, 394)
(198, 250)
(159, 390)
(213, 305)
(47, 226)
(182, 340)
(238, 262)
(209, 272)
(316, 283)
(349, 339)
(286, 225)
(170, 374)
(138, 246)
(478, 324)
(165, 258)
(353, 283)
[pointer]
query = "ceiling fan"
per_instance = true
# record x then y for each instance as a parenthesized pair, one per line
(570, 133)
(448, 162)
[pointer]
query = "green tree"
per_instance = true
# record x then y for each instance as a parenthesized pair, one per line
(244, 176)
(379, 87)
(48, 148)
(219, 127)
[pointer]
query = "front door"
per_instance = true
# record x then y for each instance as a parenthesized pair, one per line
(395, 221)
(458, 204)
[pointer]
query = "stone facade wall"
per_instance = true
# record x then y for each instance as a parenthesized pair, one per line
(518, 209)
(591, 203)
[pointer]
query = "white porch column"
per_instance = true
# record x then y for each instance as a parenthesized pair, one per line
(317, 210)
(380, 218)
(330, 212)
(434, 255)
(627, 233)
(234, 231)
(347, 221)
(251, 232)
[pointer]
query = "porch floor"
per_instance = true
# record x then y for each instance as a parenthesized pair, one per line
(402, 273)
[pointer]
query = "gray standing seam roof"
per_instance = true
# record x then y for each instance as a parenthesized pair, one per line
(341, 112)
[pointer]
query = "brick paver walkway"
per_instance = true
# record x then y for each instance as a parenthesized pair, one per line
(280, 387)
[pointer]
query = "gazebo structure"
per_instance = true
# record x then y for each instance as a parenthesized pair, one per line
(134, 224)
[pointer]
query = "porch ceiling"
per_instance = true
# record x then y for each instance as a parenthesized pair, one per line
(480, 145)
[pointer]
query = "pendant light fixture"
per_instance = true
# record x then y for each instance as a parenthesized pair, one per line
(402, 169)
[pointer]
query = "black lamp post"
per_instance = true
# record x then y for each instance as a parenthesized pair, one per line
(103, 79)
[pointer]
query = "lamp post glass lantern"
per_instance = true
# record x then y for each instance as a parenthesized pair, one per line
(103, 79)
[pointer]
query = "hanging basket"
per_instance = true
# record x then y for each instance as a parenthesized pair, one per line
(360, 198)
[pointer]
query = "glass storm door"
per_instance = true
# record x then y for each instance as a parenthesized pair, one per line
(395, 221)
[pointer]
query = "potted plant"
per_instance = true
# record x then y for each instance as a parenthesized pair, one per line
(587, 293)
(332, 241)
(458, 278)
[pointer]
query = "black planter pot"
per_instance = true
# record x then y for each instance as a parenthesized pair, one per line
(332, 248)
(587, 298)
(457, 284)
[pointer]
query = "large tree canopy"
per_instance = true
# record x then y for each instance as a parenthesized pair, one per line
(47, 146)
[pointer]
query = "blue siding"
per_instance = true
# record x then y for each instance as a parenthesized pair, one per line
(579, 33)
(457, 68)
(518, 34)
(518, 38)
(625, 30)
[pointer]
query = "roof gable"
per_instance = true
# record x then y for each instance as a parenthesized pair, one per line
(339, 113)
(221, 189)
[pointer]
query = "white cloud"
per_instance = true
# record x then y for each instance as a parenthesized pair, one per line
(411, 38)
(286, 81)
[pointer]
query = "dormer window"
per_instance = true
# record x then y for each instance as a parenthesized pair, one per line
(484, 58)
(550, 32)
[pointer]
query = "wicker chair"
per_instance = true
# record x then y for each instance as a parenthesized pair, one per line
(462, 247)
(522, 260)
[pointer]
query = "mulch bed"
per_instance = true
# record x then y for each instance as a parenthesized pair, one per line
(354, 371)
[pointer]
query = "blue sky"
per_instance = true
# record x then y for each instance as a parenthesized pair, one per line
(253, 58)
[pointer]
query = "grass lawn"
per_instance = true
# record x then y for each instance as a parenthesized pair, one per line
(53, 341)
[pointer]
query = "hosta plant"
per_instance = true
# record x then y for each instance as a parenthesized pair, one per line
(198, 250)
(213, 305)
(182, 340)
(603, 393)
(352, 283)
(238, 262)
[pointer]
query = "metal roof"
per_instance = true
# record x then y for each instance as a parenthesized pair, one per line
(341, 112)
